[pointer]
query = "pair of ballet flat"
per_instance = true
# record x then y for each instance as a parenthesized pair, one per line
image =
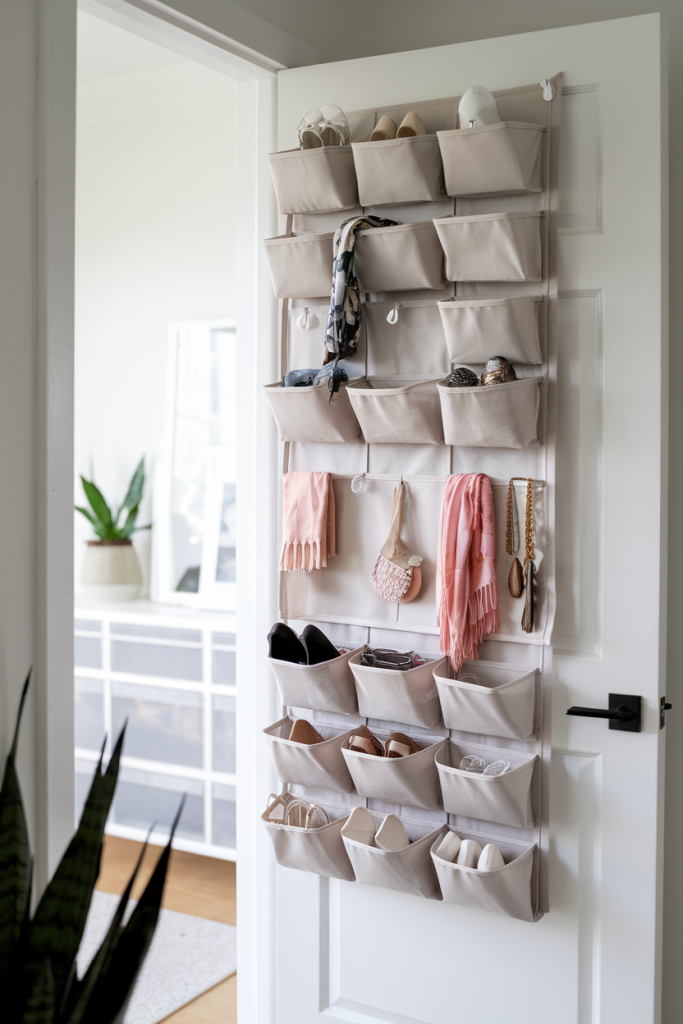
(385, 128)
(390, 836)
(398, 744)
(320, 128)
(311, 648)
(467, 853)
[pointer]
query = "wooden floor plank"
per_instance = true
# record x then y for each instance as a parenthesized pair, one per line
(201, 886)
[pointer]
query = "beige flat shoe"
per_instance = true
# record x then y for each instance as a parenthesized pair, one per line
(384, 129)
(391, 834)
(303, 732)
(411, 125)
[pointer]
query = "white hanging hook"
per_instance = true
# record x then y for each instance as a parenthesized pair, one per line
(548, 90)
(359, 484)
(306, 320)
(392, 315)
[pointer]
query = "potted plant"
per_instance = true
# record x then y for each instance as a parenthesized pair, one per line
(38, 979)
(111, 570)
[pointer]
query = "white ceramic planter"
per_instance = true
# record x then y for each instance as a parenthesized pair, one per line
(111, 571)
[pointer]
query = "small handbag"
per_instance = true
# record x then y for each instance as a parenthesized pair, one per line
(397, 575)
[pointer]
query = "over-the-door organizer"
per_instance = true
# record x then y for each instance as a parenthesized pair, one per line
(471, 277)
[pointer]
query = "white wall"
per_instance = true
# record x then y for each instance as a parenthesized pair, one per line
(155, 240)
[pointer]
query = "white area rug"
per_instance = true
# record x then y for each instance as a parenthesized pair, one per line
(188, 955)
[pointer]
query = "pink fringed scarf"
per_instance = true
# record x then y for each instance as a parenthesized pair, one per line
(467, 594)
(308, 521)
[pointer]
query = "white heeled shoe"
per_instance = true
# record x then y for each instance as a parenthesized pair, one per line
(326, 127)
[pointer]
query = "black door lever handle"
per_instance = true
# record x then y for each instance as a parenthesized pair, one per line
(623, 713)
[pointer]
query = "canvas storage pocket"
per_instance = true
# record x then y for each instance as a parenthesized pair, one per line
(492, 246)
(318, 765)
(408, 697)
(409, 870)
(405, 257)
(399, 170)
(300, 265)
(491, 416)
(414, 345)
(411, 780)
(503, 798)
(507, 890)
(312, 414)
(494, 158)
(314, 180)
(397, 413)
(475, 329)
(501, 704)
(328, 686)
(320, 850)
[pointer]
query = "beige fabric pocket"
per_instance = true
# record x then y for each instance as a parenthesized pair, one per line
(508, 890)
(318, 765)
(501, 704)
(328, 686)
(505, 799)
(393, 696)
(314, 180)
(409, 870)
(413, 346)
(400, 258)
(411, 780)
(319, 850)
(492, 246)
(494, 158)
(476, 329)
(391, 413)
(312, 414)
(300, 265)
(399, 170)
(491, 416)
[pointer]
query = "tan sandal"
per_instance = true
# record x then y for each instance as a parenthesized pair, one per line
(303, 732)
(363, 742)
(400, 745)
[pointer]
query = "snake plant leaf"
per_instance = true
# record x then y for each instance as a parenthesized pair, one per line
(95, 523)
(117, 983)
(39, 1003)
(132, 499)
(59, 921)
(129, 525)
(15, 854)
(97, 502)
(81, 991)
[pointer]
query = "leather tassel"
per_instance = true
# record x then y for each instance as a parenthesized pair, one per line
(516, 579)
(528, 613)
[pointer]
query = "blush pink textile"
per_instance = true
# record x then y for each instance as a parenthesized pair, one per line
(308, 521)
(466, 589)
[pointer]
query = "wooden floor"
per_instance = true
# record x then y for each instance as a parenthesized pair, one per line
(194, 885)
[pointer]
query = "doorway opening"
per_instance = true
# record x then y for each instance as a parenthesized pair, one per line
(155, 387)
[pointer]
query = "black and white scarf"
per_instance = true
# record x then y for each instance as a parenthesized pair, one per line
(344, 321)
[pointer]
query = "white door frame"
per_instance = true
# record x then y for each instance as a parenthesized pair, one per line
(257, 326)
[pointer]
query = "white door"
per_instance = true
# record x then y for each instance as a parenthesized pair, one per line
(344, 951)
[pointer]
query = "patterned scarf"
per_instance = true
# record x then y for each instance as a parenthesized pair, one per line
(343, 323)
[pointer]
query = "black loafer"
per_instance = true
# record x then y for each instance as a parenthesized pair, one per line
(318, 647)
(284, 645)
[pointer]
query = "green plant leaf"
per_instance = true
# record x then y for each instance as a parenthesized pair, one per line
(39, 1003)
(125, 531)
(138, 528)
(97, 502)
(117, 982)
(57, 926)
(15, 854)
(134, 495)
(81, 991)
(95, 523)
